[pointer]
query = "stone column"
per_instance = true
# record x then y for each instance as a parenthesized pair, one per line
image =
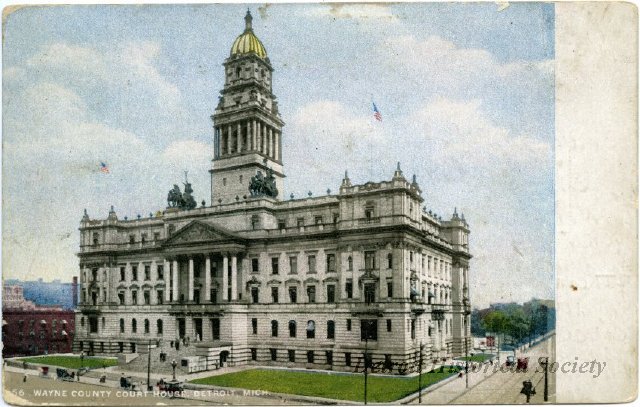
(225, 278)
(239, 139)
(264, 140)
(253, 136)
(207, 278)
(229, 131)
(167, 281)
(234, 277)
(276, 144)
(190, 279)
(175, 280)
(270, 143)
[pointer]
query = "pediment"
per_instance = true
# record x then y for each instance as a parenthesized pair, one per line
(200, 232)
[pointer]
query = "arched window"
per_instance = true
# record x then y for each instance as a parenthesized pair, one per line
(350, 263)
(146, 326)
(134, 325)
(292, 329)
(311, 329)
(82, 321)
(274, 328)
(238, 71)
(390, 260)
(159, 326)
(121, 325)
(331, 330)
(103, 323)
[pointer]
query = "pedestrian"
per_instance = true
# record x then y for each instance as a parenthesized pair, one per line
(24, 378)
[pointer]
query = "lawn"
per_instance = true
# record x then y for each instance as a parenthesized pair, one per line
(480, 357)
(71, 362)
(334, 386)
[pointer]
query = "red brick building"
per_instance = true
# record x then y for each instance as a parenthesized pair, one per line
(28, 329)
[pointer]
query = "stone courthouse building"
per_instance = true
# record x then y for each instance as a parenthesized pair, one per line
(257, 278)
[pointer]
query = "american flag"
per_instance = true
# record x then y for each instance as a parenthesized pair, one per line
(376, 113)
(104, 168)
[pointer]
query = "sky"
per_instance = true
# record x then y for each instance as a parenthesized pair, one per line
(466, 92)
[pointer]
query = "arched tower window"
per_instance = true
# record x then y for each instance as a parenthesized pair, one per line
(292, 329)
(350, 263)
(134, 325)
(311, 329)
(146, 326)
(121, 325)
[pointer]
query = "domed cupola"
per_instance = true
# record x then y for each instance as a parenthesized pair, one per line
(247, 42)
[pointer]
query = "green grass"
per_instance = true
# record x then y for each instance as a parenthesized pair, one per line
(71, 362)
(334, 386)
(481, 357)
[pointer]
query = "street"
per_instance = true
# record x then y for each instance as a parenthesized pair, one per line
(495, 386)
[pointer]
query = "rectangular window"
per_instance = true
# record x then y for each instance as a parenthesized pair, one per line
(293, 264)
(310, 356)
(156, 236)
(300, 222)
(274, 295)
(389, 289)
(331, 262)
(147, 272)
(331, 293)
(369, 293)
(413, 329)
(147, 298)
(311, 293)
(311, 260)
(134, 273)
(329, 356)
(215, 329)
(274, 354)
(292, 355)
(254, 265)
(348, 324)
(254, 326)
(349, 288)
(93, 325)
(160, 298)
(282, 224)
(254, 354)
(123, 274)
(143, 238)
(370, 260)
(254, 295)
(293, 295)
(121, 298)
(318, 220)
(331, 330)
(369, 329)
(160, 272)
(134, 297)
(214, 296)
(274, 265)
(388, 325)
(336, 217)
(347, 359)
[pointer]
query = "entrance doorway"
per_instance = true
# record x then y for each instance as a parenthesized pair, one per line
(224, 355)
(182, 328)
(197, 327)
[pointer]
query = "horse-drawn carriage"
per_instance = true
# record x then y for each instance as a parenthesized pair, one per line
(126, 383)
(63, 374)
(173, 388)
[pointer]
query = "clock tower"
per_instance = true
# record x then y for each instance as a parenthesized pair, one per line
(247, 125)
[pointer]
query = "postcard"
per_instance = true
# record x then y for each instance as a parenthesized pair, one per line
(319, 203)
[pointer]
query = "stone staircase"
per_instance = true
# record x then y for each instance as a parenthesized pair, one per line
(139, 364)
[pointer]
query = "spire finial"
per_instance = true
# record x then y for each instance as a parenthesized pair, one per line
(398, 166)
(248, 19)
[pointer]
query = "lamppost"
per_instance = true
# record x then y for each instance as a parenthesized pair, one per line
(366, 362)
(467, 312)
(81, 360)
(149, 388)
(420, 374)
(173, 365)
(545, 365)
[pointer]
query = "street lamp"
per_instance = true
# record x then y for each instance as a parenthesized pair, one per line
(420, 373)
(149, 388)
(467, 312)
(173, 365)
(366, 363)
(545, 365)
(81, 364)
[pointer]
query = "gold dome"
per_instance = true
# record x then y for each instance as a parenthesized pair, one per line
(247, 42)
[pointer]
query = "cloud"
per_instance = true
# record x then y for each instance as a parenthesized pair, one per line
(361, 12)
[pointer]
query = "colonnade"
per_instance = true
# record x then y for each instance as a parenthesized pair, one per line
(248, 135)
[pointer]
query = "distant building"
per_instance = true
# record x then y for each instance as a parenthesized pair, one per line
(29, 329)
(54, 293)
